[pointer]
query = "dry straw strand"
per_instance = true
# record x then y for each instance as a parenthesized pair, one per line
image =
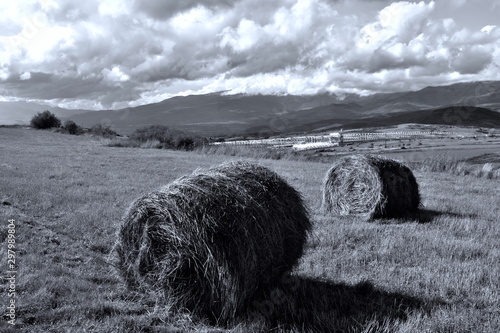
(370, 187)
(213, 240)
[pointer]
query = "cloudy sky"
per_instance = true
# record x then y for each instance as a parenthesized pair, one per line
(97, 54)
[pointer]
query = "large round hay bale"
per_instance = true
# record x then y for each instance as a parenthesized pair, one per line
(370, 187)
(214, 239)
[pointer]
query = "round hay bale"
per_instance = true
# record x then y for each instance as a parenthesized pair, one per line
(214, 239)
(370, 187)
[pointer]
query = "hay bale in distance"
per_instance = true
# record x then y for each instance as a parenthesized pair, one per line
(214, 239)
(370, 187)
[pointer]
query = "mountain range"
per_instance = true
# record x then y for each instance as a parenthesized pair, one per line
(466, 104)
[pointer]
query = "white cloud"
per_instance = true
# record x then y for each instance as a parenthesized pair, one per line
(401, 21)
(114, 8)
(130, 52)
(242, 38)
(115, 75)
(488, 28)
(286, 25)
(25, 76)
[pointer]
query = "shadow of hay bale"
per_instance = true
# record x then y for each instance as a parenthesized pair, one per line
(313, 305)
(422, 216)
(429, 215)
(370, 187)
(213, 239)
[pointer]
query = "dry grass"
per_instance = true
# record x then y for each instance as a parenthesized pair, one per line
(215, 239)
(67, 193)
(483, 166)
(371, 187)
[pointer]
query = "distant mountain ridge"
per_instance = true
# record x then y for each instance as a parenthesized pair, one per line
(483, 94)
(216, 114)
(450, 115)
(240, 114)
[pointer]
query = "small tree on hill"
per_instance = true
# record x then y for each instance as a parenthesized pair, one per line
(44, 120)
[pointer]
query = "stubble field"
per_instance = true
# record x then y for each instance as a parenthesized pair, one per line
(440, 273)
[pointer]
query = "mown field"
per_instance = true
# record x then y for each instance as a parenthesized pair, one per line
(440, 273)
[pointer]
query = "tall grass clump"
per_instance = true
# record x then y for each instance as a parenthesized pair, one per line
(441, 163)
(483, 166)
(214, 240)
(486, 170)
(371, 187)
(259, 152)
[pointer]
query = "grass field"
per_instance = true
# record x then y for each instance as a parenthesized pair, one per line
(440, 273)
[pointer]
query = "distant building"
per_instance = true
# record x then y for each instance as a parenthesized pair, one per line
(337, 137)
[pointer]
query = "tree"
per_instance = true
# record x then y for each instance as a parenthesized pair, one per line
(44, 120)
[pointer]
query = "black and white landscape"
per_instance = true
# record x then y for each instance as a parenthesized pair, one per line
(250, 166)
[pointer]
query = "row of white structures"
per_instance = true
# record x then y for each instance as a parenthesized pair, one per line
(349, 137)
(335, 138)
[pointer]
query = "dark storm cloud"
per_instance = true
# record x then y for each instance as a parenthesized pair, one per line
(41, 86)
(471, 61)
(382, 59)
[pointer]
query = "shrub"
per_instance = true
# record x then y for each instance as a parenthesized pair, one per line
(103, 130)
(167, 137)
(71, 127)
(184, 143)
(45, 120)
(155, 132)
(214, 240)
(370, 187)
